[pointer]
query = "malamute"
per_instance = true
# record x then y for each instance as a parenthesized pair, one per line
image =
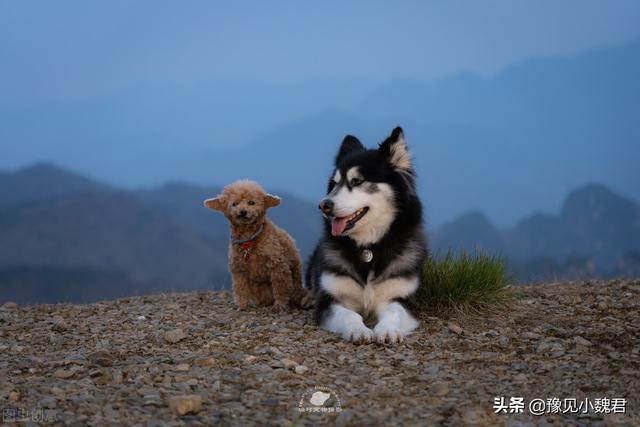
(367, 267)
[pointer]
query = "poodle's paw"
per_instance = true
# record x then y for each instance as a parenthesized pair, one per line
(242, 306)
(386, 333)
(280, 306)
(306, 302)
(359, 334)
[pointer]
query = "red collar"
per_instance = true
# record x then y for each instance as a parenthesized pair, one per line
(246, 244)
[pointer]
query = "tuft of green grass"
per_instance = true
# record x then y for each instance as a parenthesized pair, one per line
(476, 281)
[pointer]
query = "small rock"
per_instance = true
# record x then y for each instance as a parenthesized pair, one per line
(614, 355)
(14, 396)
(432, 370)
(64, 373)
(455, 329)
(271, 402)
(10, 305)
(47, 402)
(208, 362)
(250, 359)
(175, 335)
(59, 324)
(582, 341)
(101, 358)
(288, 363)
(439, 389)
(141, 318)
(531, 335)
(186, 404)
(519, 366)
(183, 367)
(301, 369)
(520, 378)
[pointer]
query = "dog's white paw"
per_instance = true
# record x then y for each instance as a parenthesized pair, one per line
(385, 333)
(357, 334)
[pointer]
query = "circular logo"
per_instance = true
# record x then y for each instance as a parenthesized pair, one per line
(320, 400)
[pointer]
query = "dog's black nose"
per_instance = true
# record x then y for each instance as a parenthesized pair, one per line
(326, 206)
(243, 213)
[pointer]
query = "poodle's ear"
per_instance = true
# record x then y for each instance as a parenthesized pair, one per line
(271, 201)
(216, 203)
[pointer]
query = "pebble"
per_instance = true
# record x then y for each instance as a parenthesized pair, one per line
(185, 404)
(288, 363)
(64, 373)
(439, 389)
(455, 329)
(10, 305)
(174, 335)
(59, 324)
(301, 369)
(101, 358)
(582, 341)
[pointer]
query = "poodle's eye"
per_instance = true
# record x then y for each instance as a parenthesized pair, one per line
(356, 181)
(234, 204)
(251, 202)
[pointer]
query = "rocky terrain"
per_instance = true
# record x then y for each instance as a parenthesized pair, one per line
(192, 359)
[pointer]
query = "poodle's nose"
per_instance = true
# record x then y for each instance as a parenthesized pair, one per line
(243, 213)
(326, 206)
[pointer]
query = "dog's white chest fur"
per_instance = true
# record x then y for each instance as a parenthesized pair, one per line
(371, 298)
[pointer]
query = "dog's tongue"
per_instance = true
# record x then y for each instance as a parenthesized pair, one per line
(338, 225)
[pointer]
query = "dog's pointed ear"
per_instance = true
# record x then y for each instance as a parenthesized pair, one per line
(349, 145)
(271, 201)
(216, 203)
(396, 150)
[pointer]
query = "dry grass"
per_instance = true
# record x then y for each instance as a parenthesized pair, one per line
(464, 282)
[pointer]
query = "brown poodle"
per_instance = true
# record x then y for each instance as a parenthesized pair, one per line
(263, 259)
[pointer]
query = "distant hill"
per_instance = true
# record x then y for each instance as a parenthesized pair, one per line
(507, 144)
(68, 238)
(596, 233)
(42, 180)
(56, 225)
(502, 144)
(108, 230)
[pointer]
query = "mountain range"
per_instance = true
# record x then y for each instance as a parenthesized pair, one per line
(66, 237)
(505, 144)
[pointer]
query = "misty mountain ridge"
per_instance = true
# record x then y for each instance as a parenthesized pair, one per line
(110, 242)
(595, 227)
(467, 133)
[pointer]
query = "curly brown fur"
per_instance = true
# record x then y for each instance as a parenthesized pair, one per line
(270, 272)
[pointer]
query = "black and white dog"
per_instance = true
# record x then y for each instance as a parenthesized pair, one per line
(368, 265)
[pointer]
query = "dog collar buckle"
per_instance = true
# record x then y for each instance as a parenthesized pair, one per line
(366, 255)
(247, 244)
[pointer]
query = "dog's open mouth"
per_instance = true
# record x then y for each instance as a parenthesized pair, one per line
(340, 225)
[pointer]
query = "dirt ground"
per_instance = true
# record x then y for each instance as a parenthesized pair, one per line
(568, 351)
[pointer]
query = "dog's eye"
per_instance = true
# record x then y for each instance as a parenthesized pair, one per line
(356, 181)
(251, 202)
(234, 204)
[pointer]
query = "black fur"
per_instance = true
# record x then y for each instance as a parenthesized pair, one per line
(406, 229)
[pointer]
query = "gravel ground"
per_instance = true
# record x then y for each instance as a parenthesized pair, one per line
(193, 359)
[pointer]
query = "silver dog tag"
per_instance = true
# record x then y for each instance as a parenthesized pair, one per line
(366, 255)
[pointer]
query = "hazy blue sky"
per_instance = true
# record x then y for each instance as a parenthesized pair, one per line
(61, 51)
